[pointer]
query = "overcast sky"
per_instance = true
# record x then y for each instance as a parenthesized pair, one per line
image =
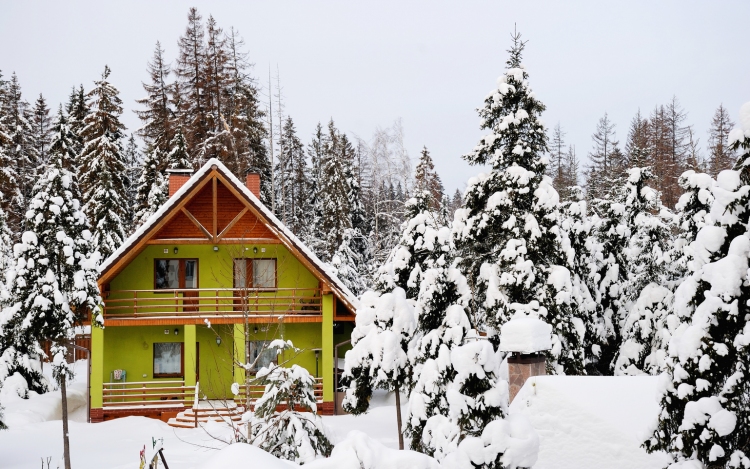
(429, 63)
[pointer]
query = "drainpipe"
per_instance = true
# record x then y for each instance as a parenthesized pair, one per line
(336, 375)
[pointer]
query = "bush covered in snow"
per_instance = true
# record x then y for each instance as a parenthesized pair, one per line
(296, 433)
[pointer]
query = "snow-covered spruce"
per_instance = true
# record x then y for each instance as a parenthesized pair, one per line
(508, 230)
(153, 188)
(693, 208)
(102, 167)
(52, 284)
(384, 326)
(642, 348)
(579, 245)
(297, 433)
(705, 414)
(422, 242)
(347, 261)
(442, 326)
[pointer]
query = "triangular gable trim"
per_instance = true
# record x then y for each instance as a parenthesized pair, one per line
(136, 242)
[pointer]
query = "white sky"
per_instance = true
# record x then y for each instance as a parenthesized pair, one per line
(430, 63)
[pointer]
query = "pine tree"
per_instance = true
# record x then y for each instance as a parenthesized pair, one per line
(54, 283)
(442, 326)
(581, 247)
(384, 326)
(333, 191)
(77, 109)
(508, 230)
(103, 168)
(292, 434)
(427, 179)
(10, 188)
(21, 153)
(132, 157)
(606, 166)
(157, 130)
(705, 414)
(721, 155)
(153, 188)
(178, 157)
(644, 340)
(192, 84)
(631, 250)
(42, 130)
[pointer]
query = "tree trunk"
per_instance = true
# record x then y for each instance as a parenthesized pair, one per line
(66, 442)
(398, 418)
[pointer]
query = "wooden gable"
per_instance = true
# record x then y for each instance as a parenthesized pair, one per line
(215, 214)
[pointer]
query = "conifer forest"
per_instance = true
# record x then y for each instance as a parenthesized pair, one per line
(629, 251)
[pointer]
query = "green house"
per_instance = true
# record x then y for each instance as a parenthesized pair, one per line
(194, 297)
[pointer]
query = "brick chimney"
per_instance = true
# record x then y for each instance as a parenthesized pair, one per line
(252, 181)
(177, 179)
(525, 338)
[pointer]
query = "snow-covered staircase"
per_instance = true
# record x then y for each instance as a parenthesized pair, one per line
(205, 411)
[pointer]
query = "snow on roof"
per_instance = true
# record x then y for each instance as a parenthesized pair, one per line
(592, 421)
(324, 268)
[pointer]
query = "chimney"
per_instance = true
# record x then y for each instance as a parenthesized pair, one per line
(177, 179)
(252, 181)
(525, 338)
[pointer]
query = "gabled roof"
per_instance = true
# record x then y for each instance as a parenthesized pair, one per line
(137, 241)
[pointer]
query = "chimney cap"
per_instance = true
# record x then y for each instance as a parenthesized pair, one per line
(186, 172)
(525, 334)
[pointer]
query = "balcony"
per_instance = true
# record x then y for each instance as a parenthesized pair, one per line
(212, 304)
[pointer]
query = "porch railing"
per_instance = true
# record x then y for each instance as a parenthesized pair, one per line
(256, 391)
(147, 394)
(208, 302)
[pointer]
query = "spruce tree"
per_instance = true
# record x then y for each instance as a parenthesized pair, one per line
(21, 153)
(54, 282)
(642, 348)
(693, 209)
(157, 129)
(427, 179)
(10, 188)
(705, 414)
(606, 162)
(721, 155)
(333, 192)
(153, 188)
(178, 157)
(77, 109)
(507, 232)
(132, 157)
(103, 168)
(190, 72)
(42, 130)
(294, 190)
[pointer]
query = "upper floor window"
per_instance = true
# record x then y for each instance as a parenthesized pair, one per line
(255, 273)
(175, 273)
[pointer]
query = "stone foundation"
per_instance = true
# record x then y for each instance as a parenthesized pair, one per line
(522, 367)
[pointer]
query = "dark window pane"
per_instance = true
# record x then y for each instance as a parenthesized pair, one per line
(191, 274)
(168, 358)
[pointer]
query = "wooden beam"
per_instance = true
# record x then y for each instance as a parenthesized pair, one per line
(241, 241)
(196, 223)
(216, 209)
(231, 223)
(284, 240)
(115, 268)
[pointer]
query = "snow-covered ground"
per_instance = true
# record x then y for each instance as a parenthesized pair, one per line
(591, 422)
(583, 423)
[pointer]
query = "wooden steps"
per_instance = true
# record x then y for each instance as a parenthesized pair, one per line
(212, 411)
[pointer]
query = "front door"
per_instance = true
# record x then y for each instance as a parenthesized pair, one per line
(190, 285)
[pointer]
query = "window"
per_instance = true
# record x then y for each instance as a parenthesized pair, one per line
(267, 356)
(255, 273)
(168, 359)
(173, 274)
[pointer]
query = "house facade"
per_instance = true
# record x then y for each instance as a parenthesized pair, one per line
(199, 291)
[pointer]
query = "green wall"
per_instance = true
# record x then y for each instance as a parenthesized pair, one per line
(215, 270)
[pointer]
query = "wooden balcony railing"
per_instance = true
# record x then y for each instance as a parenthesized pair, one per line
(147, 394)
(256, 391)
(208, 302)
